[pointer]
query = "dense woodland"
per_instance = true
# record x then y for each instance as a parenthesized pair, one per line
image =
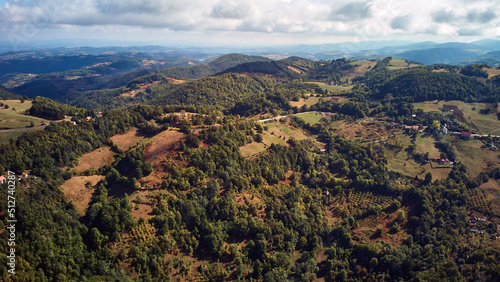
(279, 234)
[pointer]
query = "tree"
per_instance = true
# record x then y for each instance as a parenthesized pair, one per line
(436, 124)
(192, 141)
(428, 178)
(259, 138)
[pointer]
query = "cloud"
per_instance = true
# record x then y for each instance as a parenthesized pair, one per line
(226, 10)
(353, 12)
(443, 16)
(470, 32)
(360, 19)
(481, 17)
(401, 22)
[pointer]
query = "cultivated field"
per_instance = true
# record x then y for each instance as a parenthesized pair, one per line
(76, 192)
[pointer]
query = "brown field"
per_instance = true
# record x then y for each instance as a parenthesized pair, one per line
(295, 69)
(76, 192)
(362, 67)
(161, 145)
(141, 200)
(441, 70)
(314, 100)
(492, 72)
(367, 227)
(95, 159)
(309, 102)
(127, 140)
(175, 81)
(366, 130)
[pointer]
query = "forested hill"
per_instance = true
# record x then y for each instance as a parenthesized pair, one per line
(437, 82)
(217, 65)
(424, 85)
(216, 91)
(8, 94)
(58, 85)
(279, 69)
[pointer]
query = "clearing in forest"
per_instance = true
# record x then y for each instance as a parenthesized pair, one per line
(95, 159)
(75, 191)
(161, 145)
(492, 72)
(127, 140)
(366, 230)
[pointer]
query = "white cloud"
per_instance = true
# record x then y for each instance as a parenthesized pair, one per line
(322, 18)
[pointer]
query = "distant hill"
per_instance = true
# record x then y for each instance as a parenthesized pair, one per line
(6, 94)
(442, 55)
(284, 68)
(58, 85)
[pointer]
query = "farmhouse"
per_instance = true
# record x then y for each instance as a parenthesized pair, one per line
(2, 179)
(466, 135)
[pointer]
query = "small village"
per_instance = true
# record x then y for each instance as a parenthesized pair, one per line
(481, 224)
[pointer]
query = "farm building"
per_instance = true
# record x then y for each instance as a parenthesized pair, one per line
(465, 135)
(2, 179)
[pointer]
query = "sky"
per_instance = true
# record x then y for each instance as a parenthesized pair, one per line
(248, 22)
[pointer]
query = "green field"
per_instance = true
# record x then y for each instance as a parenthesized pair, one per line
(399, 161)
(276, 134)
(486, 124)
(5, 136)
(14, 116)
(311, 118)
(309, 102)
(426, 145)
(333, 88)
(476, 156)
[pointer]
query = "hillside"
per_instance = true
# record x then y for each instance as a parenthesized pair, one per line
(58, 85)
(6, 94)
(264, 173)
